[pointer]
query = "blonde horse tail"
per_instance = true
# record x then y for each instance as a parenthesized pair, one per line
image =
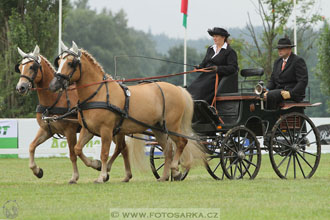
(193, 153)
(136, 152)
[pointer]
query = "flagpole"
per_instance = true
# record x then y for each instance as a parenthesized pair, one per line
(59, 26)
(185, 58)
(295, 27)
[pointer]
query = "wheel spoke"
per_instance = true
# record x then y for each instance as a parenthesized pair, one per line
(232, 164)
(248, 147)
(159, 148)
(160, 167)
(294, 166)
(240, 169)
(281, 143)
(216, 167)
(247, 170)
(294, 128)
(234, 143)
(249, 162)
(305, 160)
(283, 135)
(301, 127)
(283, 160)
(157, 158)
(235, 170)
(307, 153)
(301, 169)
(288, 129)
(244, 139)
(239, 139)
(281, 152)
(251, 154)
(287, 167)
(230, 148)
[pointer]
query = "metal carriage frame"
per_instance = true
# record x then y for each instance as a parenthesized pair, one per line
(230, 135)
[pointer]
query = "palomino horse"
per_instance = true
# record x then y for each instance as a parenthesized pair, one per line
(36, 70)
(103, 109)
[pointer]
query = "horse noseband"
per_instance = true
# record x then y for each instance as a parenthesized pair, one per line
(35, 67)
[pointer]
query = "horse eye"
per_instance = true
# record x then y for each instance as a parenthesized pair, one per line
(70, 64)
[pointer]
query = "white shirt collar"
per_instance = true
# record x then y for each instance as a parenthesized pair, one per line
(214, 46)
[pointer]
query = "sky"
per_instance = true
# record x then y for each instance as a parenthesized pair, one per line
(164, 16)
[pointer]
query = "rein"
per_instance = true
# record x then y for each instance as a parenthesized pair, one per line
(133, 79)
(141, 79)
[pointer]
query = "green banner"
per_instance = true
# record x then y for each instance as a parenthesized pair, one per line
(8, 142)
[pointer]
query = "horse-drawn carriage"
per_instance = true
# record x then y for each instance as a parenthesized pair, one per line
(231, 133)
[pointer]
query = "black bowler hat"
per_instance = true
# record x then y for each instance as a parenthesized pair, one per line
(284, 43)
(218, 31)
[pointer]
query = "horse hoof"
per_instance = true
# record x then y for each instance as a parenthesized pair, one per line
(178, 177)
(108, 177)
(163, 179)
(126, 179)
(99, 165)
(40, 174)
(72, 182)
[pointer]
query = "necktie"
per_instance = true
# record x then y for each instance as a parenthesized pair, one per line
(283, 65)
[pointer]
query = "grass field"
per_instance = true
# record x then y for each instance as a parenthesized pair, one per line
(266, 197)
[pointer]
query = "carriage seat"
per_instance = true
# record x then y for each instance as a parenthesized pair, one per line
(228, 84)
(248, 85)
(252, 72)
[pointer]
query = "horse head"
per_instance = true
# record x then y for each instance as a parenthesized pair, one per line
(29, 69)
(68, 67)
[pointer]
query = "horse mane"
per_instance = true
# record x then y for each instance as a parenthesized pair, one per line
(92, 59)
(48, 63)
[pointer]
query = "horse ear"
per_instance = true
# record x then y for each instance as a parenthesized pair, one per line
(36, 51)
(21, 52)
(75, 48)
(64, 48)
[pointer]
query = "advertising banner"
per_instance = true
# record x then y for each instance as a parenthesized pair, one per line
(8, 134)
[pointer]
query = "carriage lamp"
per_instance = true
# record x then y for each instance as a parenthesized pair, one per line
(259, 89)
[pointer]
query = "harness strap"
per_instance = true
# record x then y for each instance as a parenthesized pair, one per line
(52, 111)
(106, 105)
(163, 114)
(125, 112)
(214, 102)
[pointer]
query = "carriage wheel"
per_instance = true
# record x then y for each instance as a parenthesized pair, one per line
(240, 154)
(295, 142)
(157, 160)
(213, 162)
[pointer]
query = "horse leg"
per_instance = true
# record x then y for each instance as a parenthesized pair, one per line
(106, 138)
(162, 140)
(84, 137)
(180, 145)
(72, 140)
(121, 148)
(41, 137)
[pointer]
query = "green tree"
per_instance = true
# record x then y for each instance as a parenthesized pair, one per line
(106, 35)
(323, 67)
(275, 15)
(26, 23)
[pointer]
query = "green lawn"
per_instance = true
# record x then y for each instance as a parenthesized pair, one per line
(266, 197)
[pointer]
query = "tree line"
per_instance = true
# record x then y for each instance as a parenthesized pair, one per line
(116, 46)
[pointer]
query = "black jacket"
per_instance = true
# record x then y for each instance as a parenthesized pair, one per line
(294, 77)
(226, 61)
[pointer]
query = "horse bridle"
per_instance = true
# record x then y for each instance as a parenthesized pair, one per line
(35, 67)
(74, 64)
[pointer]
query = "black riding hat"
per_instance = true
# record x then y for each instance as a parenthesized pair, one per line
(218, 31)
(284, 43)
